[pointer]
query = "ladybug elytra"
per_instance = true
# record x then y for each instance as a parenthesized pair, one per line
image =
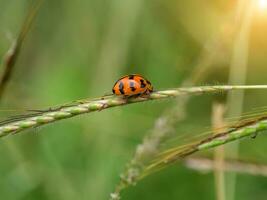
(132, 85)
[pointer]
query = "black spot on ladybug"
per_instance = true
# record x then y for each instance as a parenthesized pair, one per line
(113, 91)
(143, 85)
(121, 86)
(131, 77)
(132, 86)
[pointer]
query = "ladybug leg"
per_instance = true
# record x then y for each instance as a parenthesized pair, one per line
(146, 94)
(134, 96)
(106, 95)
(105, 105)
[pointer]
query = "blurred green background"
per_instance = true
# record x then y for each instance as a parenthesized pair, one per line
(78, 49)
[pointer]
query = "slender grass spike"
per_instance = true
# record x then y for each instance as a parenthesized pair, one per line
(38, 118)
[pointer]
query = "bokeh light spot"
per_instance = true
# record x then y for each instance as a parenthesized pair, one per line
(263, 4)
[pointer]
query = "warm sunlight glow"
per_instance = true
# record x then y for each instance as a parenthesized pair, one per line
(263, 4)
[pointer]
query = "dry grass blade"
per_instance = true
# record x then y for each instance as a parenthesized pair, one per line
(12, 54)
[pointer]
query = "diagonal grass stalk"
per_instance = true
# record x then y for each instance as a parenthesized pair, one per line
(247, 129)
(19, 123)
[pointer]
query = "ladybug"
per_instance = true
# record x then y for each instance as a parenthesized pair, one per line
(132, 85)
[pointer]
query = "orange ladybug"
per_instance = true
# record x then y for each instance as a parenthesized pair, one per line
(132, 85)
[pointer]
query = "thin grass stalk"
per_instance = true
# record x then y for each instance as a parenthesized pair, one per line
(218, 111)
(238, 75)
(205, 165)
(17, 124)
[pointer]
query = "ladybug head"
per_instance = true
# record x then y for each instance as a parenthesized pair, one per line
(149, 86)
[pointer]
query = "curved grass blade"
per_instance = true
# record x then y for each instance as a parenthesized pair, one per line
(12, 54)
